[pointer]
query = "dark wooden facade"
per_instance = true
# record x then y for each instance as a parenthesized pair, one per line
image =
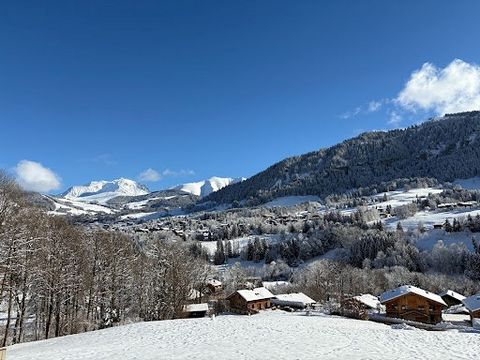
(414, 307)
(238, 303)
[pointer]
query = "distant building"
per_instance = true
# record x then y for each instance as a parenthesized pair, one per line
(214, 285)
(452, 298)
(414, 304)
(294, 300)
(195, 310)
(250, 301)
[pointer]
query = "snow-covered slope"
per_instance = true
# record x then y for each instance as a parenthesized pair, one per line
(102, 191)
(205, 187)
(270, 334)
(74, 208)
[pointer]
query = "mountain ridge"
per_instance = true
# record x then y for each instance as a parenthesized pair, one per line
(445, 148)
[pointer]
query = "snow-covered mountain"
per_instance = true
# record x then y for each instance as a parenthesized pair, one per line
(205, 187)
(102, 191)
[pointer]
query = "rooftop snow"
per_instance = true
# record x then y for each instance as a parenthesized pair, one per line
(214, 282)
(256, 294)
(409, 289)
(195, 307)
(293, 299)
(472, 303)
(453, 294)
(368, 299)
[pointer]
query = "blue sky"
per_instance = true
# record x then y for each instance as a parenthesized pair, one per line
(191, 89)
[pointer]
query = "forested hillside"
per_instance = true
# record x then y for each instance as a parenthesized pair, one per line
(446, 149)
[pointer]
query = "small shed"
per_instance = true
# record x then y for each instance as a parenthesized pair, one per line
(472, 304)
(294, 300)
(250, 301)
(451, 297)
(195, 310)
(412, 303)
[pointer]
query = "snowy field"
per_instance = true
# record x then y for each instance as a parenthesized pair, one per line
(272, 335)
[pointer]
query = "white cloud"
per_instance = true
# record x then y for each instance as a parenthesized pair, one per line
(351, 114)
(168, 172)
(152, 175)
(455, 88)
(394, 118)
(33, 176)
(374, 106)
(149, 175)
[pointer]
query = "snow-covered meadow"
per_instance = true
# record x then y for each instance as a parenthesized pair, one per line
(270, 334)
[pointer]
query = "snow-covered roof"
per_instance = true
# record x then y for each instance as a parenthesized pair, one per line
(293, 299)
(368, 299)
(195, 307)
(409, 289)
(256, 294)
(453, 294)
(472, 303)
(214, 282)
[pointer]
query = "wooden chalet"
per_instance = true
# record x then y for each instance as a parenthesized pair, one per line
(414, 304)
(250, 301)
(214, 285)
(472, 304)
(452, 298)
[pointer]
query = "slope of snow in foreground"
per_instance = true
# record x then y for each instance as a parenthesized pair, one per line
(268, 335)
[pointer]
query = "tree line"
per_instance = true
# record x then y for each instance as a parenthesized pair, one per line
(58, 279)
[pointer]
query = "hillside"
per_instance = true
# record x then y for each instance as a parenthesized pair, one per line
(446, 149)
(277, 335)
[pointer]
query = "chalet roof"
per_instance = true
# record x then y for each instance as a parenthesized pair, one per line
(409, 289)
(214, 282)
(293, 299)
(260, 293)
(452, 294)
(195, 307)
(472, 303)
(368, 299)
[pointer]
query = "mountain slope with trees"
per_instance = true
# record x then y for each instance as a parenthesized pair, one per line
(446, 149)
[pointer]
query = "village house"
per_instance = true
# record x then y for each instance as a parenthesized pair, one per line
(195, 310)
(472, 304)
(214, 285)
(250, 301)
(414, 304)
(452, 298)
(359, 306)
(294, 300)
